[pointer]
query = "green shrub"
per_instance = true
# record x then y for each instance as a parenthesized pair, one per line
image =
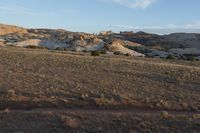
(57, 48)
(171, 57)
(103, 52)
(95, 53)
(191, 58)
(117, 53)
(36, 47)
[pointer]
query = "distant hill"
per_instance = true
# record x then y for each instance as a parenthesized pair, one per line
(7, 29)
(177, 44)
(175, 40)
(62, 40)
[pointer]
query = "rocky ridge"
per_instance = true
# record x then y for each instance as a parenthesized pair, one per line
(178, 45)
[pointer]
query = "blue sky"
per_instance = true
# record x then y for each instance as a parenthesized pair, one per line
(157, 16)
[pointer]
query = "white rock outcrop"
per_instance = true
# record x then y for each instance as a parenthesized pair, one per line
(118, 46)
(51, 44)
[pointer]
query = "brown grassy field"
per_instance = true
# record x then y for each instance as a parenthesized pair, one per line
(41, 79)
(83, 122)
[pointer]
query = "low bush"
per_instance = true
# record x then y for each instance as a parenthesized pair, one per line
(117, 53)
(95, 53)
(171, 57)
(191, 58)
(103, 52)
(57, 48)
(36, 47)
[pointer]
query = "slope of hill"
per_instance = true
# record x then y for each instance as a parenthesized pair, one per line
(175, 40)
(57, 39)
(96, 81)
(54, 91)
(7, 29)
(179, 45)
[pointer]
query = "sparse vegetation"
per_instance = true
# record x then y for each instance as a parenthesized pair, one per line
(103, 52)
(95, 53)
(111, 74)
(76, 82)
(171, 57)
(117, 53)
(191, 58)
(35, 47)
(50, 83)
(57, 48)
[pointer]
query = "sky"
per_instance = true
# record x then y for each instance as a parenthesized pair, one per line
(155, 16)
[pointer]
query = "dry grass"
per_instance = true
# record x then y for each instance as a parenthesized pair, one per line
(96, 122)
(41, 78)
(31, 78)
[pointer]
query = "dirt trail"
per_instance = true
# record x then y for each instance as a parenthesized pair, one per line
(111, 111)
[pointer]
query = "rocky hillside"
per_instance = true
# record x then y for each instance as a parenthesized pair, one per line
(178, 45)
(61, 40)
(175, 40)
(7, 29)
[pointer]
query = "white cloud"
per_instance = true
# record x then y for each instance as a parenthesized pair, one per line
(172, 26)
(133, 3)
(129, 27)
(16, 10)
(193, 25)
(125, 26)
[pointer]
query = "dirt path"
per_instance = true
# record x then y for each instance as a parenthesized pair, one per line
(111, 111)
